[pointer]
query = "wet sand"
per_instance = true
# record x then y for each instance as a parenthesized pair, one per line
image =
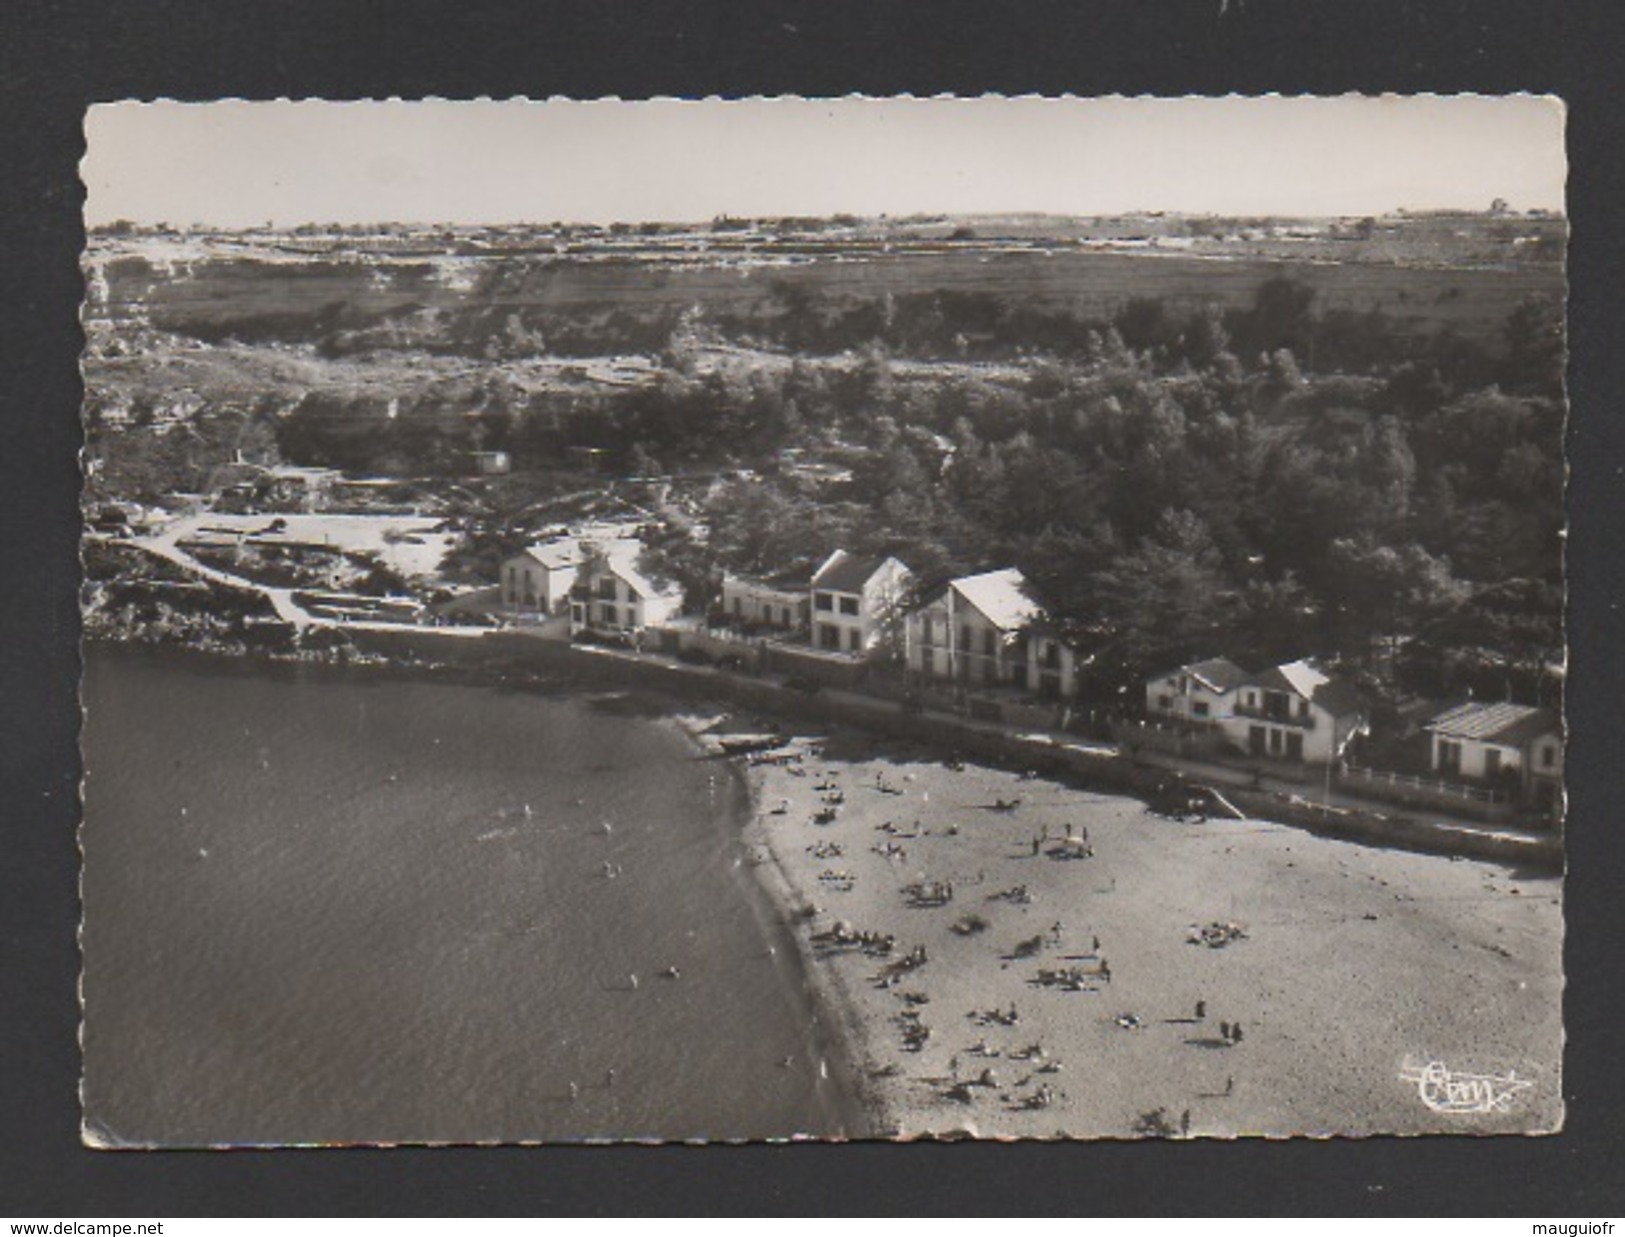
(1351, 969)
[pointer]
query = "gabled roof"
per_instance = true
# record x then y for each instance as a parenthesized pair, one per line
(1303, 678)
(847, 573)
(1506, 723)
(1003, 597)
(554, 554)
(622, 559)
(1217, 674)
(789, 580)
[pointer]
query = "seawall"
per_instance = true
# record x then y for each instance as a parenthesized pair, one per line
(516, 654)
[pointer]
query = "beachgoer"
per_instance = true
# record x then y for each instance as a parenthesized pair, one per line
(609, 1078)
(672, 972)
(1185, 1123)
(1201, 1010)
(1235, 1034)
(1229, 1085)
(1035, 846)
(1096, 945)
(575, 1091)
(633, 980)
(1224, 1031)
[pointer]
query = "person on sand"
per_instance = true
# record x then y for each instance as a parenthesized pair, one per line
(1201, 1010)
(1224, 1031)
(1185, 1123)
(575, 1091)
(1230, 1085)
(1235, 1034)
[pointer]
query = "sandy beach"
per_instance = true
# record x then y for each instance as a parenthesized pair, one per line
(1014, 957)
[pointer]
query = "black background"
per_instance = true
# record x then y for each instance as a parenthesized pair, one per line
(56, 58)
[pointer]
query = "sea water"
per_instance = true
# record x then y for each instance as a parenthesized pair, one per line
(330, 906)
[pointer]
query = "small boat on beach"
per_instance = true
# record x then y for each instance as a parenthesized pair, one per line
(746, 745)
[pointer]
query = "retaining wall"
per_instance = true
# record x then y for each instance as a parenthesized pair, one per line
(513, 654)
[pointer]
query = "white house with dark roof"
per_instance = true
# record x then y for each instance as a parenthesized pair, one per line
(538, 579)
(1489, 742)
(1294, 711)
(1199, 693)
(856, 602)
(990, 630)
(779, 601)
(613, 596)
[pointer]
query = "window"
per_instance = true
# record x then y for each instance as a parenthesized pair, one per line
(1492, 761)
(1449, 755)
(1165, 704)
(739, 607)
(609, 616)
(823, 601)
(1275, 741)
(1199, 708)
(856, 637)
(1548, 756)
(606, 588)
(926, 635)
(964, 637)
(1294, 746)
(849, 605)
(990, 641)
(829, 636)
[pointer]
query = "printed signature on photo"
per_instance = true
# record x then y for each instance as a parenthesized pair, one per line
(1444, 1090)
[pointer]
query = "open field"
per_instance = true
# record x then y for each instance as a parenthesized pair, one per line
(251, 297)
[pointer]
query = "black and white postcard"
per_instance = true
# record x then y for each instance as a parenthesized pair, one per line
(790, 618)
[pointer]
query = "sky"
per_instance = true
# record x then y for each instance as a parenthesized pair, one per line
(238, 164)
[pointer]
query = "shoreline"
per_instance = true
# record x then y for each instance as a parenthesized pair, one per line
(837, 1033)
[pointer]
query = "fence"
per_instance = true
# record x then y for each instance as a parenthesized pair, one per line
(1480, 801)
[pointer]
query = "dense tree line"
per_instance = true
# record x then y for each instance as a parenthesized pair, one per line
(1175, 498)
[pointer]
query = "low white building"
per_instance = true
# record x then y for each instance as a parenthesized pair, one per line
(1199, 693)
(1295, 712)
(1501, 742)
(777, 602)
(612, 596)
(857, 602)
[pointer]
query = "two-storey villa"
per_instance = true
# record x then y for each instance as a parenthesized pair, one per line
(857, 602)
(1295, 712)
(613, 596)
